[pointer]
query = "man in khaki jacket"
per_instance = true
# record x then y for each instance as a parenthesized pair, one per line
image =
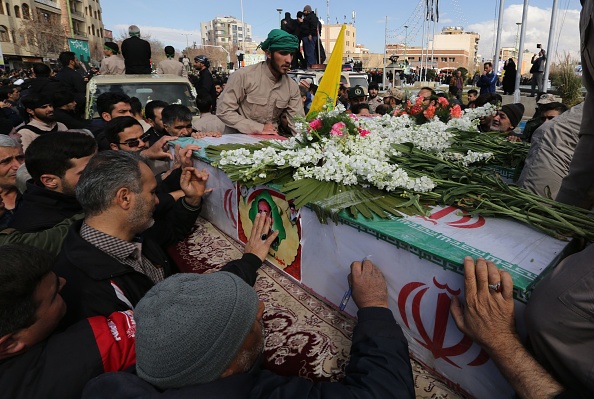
(256, 96)
(113, 64)
(171, 66)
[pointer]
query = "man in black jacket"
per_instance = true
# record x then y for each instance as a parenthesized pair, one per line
(35, 360)
(55, 162)
(64, 104)
(205, 82)
(309, 35)
(201, 336)
(70, 77)
(136, 52)
(114, 256)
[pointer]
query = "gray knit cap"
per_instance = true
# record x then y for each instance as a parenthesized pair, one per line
(190, 327)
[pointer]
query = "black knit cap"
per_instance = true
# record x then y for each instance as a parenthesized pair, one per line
(514, 113)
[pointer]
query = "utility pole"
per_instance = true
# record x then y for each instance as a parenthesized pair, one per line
(385, 51)
(549, 50)
(520, 52)
(498, 40)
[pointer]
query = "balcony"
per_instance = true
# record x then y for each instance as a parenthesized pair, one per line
(77, 15)
(49, 3)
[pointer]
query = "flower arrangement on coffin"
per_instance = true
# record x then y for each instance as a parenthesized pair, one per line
(389, 166)
(438, 107)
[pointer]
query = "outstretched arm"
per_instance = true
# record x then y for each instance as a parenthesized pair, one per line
(487, 316)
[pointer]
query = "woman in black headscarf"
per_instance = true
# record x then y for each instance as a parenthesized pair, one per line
(509, 77)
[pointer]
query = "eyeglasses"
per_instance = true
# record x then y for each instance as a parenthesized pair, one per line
(133, 143)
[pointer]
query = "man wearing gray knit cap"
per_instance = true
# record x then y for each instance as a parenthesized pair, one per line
(202, 336)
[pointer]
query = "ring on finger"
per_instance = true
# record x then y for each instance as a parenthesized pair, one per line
(495, 287)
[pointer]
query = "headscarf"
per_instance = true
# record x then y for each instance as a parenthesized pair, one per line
(280, 40)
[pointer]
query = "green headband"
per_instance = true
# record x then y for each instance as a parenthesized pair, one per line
(109, 48)
(280, 40)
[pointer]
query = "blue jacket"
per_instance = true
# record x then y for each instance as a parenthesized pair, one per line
(487, 83)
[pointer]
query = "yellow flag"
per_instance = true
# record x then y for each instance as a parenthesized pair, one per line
(330, 83)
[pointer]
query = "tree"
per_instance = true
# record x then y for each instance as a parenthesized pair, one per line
(43, 34)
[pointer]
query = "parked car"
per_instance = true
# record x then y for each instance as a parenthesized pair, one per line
(172, 89)
(348, 79)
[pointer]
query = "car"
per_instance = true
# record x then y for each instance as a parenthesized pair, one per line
(172, 89)
(348, 79)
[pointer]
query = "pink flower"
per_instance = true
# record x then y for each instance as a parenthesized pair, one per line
(456, 111)
(363, 132)
(337, 129)
(443, 102)
(315, 124)
(429, 112)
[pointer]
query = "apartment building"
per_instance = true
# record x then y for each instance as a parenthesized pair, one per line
(228, 32)
(38, 30)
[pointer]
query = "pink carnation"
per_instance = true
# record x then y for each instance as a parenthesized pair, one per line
(443, 101)
(337, 129)
(315, 124)
(363, 132)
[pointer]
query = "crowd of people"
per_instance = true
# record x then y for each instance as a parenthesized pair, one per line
(88, 209)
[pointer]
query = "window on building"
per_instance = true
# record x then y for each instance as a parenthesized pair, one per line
(1, 9)
(444, 59)
(452, 59)
(419, 58)
(8, 9)
(99, 15)
(89, 29)
(347, 43)
(95, 14)
(4, 36)
(17, 11)
(93, 29)
(26, 14)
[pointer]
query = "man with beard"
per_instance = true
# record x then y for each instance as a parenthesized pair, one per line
(41, 119)
(69, 76)
(111, 258)
(374, 100)
(55, 162)
(152, 112)
(256, 96)
(205, 81)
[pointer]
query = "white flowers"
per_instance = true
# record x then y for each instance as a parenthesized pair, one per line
(353, 159)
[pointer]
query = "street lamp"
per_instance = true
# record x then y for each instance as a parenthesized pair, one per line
(279, 15)
(517, 36)
(405, 41)
(187, 43)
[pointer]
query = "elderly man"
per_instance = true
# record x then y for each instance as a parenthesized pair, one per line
(136, 52)
(256, 96)
(11, 158)
(507, 119)
(112, 64)
(199, 334)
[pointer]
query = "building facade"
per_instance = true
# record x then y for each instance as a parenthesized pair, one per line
(38, 30)
(449, 50)
(228, 32)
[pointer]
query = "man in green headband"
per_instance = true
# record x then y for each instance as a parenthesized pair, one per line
(256, 96)
(112, 64)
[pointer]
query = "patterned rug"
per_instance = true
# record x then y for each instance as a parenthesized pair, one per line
(304, 335)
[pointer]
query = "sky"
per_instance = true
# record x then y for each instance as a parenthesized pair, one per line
(175, 22)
